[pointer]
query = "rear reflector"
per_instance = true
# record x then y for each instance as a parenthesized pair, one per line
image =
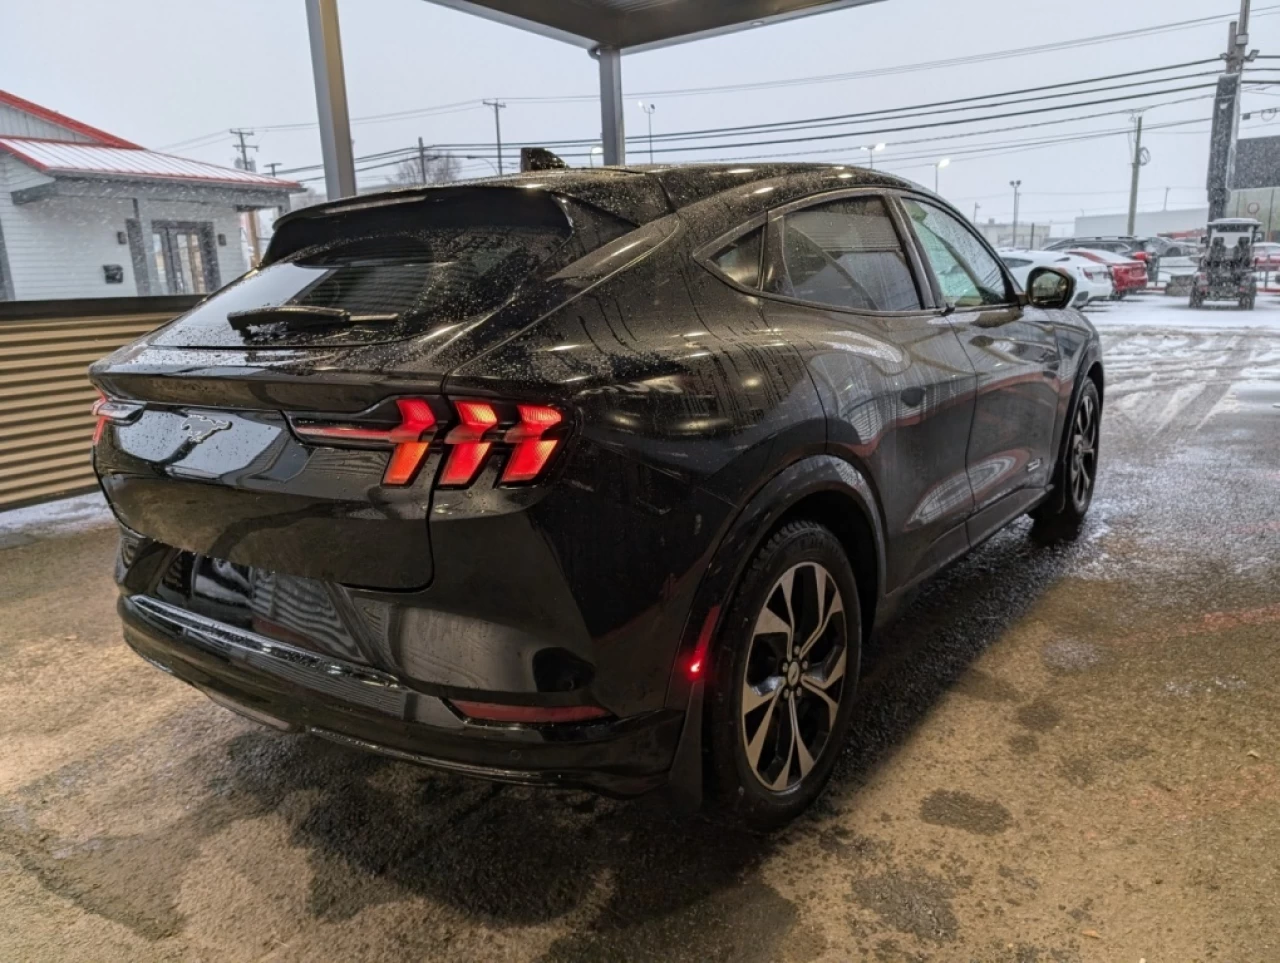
(529, 715)
(696, 667)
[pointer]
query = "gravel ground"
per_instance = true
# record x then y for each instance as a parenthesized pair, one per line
(1071, 756)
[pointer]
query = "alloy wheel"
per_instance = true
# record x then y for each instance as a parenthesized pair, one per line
(795, 676)
(1084, 450)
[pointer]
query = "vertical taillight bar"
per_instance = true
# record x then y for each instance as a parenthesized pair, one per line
(469, 447)
(532, 451)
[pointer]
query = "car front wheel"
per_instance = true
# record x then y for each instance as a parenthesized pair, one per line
(784, 672)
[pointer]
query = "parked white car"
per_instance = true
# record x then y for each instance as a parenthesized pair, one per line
(1093, 280)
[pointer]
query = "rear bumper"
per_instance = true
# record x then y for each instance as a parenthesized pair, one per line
(368, 709)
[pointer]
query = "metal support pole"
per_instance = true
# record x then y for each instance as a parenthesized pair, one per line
(612, 129)
(1226, 115)
(331, 98)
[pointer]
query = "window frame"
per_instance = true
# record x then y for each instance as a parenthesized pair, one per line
(706, 254)
(774, 264)
(1014, 297)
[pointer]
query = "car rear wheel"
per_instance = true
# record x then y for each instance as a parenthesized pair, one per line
(785, 669)
(1077, 470)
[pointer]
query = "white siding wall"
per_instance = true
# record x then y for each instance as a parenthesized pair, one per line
(57, 246)
(18, 123)
(1146, 223)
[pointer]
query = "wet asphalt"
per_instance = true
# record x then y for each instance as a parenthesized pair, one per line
(1067, 754)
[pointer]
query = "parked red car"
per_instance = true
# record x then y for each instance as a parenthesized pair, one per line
(1126, 273)
(1266, 256)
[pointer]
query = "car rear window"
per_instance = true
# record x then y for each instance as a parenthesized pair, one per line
(385, 273)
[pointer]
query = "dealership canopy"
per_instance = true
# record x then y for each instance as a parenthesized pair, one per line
(607, 28)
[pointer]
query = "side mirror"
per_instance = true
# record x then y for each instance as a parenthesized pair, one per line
(1051, 288)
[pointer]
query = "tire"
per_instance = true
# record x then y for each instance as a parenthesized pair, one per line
(1076, 472)
(757, 777)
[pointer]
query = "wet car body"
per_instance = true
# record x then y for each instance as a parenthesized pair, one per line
(556, 631)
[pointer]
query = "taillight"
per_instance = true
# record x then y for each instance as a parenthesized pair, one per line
(469, 450)
(481, 426)
(532, 451)
(110, 410)
(101, 424)
(410, 440)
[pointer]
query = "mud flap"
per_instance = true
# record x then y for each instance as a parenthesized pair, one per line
(684, 785)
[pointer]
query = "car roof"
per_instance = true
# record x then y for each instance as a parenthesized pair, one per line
(1020, 252)
(1110, 256)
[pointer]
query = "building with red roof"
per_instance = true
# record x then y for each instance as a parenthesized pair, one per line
(86, 214)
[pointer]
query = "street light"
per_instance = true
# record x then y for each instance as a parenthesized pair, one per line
(945, 162)
(649, 109)
(595, 152)
(871, 154)
(481, 158)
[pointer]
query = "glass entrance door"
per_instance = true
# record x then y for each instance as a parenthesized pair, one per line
(183, 257)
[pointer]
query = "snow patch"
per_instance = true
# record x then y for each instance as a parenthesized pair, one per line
(56, 519)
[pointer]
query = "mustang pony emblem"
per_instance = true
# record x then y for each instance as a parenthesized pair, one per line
(200, 427)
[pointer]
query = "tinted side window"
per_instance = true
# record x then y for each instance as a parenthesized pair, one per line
(1017, 262)
(968, 274)
(740, 261)
(847, 254)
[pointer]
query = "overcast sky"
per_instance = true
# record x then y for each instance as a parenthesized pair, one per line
(176, 74)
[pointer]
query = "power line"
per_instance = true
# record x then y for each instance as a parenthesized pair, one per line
(824, 122)
(401, 153)
(923, 110)
(465, 105)
(923, 65)
(882, 131)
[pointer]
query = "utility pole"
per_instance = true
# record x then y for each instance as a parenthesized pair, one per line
(422, 160)
(497, 105)
(1226, 114)
(649, 109)
(1140, 157)
(281, 209)
(250, 217)
(243, 147)
(976, 207)
(1166, 197)
(1017, 189)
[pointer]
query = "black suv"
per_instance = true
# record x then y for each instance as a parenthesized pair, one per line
(592, 478)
